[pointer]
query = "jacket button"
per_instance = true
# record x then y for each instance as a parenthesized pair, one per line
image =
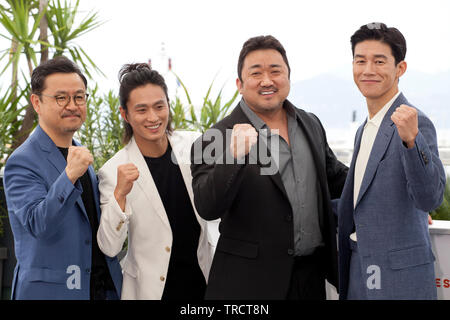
(61, 199)
(167, 249)
(162, 278)
(290, 252)
(88, 270)
(289, 217)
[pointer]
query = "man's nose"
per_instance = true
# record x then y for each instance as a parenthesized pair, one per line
(369, 68)
(151, 115)
(71, 105)
(266, 80)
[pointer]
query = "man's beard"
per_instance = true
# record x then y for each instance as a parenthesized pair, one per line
(71, 129)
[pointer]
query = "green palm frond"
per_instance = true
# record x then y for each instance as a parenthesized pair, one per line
(61, 18)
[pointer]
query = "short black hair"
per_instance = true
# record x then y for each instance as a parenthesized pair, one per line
(379, 31)
(132, 76)
(59, 64)
(260, 43)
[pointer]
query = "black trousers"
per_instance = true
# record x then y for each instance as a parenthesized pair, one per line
(308, 278)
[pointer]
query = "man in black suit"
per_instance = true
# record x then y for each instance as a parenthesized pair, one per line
(278, 234)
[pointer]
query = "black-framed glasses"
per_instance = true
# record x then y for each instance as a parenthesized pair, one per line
(63, 99)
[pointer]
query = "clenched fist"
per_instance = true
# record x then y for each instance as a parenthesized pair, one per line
(406, 120)
(243, 137)
(126, 175)
(78, 161)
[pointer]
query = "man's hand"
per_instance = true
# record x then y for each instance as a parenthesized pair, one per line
(406, 120)
(78, 161)
(126, 175)
(243, 137)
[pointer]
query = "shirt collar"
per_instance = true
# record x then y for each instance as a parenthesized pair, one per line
(378, 117)
(254, 119)
(257, 122)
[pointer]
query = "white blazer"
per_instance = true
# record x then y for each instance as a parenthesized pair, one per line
(145, 220)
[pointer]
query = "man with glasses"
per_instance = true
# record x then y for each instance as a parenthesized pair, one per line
(53, 198)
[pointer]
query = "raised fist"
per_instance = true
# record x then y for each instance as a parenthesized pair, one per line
(243, 137)
(406, 120)
(126, 175)
(78, 161)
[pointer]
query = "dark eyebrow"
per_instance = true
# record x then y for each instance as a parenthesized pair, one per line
(255, 66)
(159, 102)
(65, 92)
(376, 56)
(144, 105)
(140, 105)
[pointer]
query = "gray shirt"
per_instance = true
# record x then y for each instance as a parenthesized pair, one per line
(298, 173)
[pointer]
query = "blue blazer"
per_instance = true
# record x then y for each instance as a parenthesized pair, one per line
(52, 233)
(399, 188)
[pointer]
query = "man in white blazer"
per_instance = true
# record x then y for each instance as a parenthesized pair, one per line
(146, 193)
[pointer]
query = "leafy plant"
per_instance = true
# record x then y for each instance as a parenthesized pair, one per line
(178, 112)
(10, 109)
(102, 131)
(61, 22)
(16, 21)
(25, 24)
(211, 111)
(443, 212)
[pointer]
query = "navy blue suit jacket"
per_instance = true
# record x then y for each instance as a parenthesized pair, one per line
(52, 233)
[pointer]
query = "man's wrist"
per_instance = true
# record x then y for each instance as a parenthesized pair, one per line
(409, 144)
(121, 200)
(70, 177)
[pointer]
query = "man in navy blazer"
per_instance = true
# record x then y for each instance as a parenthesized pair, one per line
(395, 179)
(53, 199)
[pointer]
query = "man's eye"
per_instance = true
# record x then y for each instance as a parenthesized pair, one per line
(61, 98)
(79, 98)
(257, 73)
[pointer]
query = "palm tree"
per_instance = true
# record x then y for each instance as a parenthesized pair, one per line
(22, 19)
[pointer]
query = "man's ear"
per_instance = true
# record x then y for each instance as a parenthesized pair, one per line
(401, 68)
(123, 113)
(239, 85)
(36, 103)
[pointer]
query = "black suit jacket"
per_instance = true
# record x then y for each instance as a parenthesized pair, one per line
(254, 254)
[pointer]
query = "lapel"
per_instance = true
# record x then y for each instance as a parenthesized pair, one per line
(95, 190)
(311, 135)
(146, 182)
(238, 116)
(380, 146)
(181, 150)
(55, 157)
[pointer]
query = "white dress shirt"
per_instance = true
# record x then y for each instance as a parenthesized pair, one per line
(368, 138)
